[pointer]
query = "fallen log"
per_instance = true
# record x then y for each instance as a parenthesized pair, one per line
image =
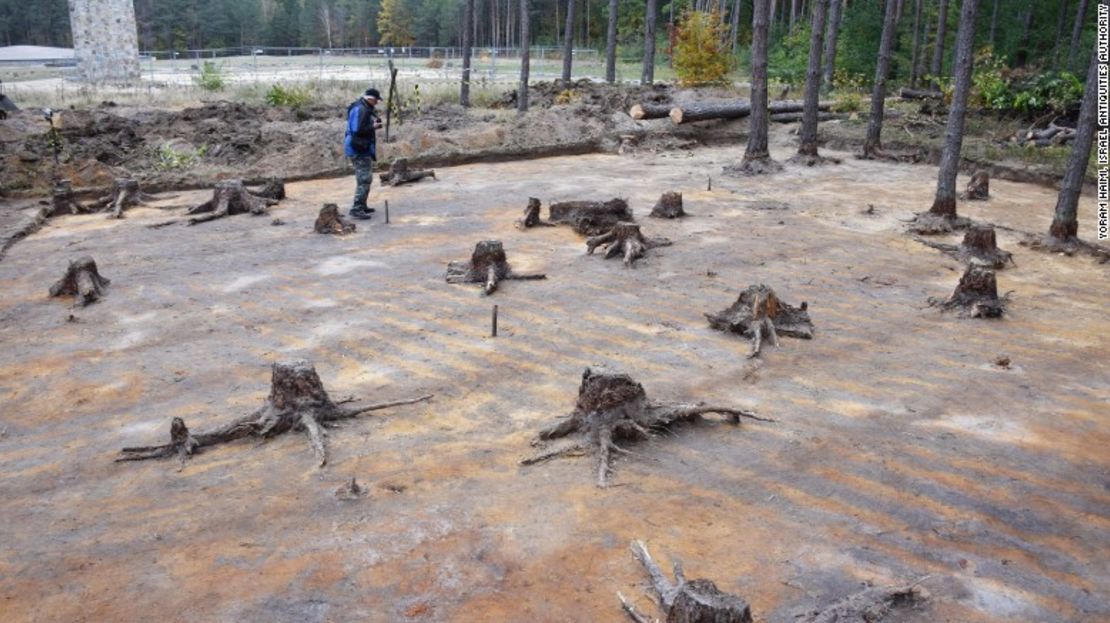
(590, 218)
(649, 111)
(795, 117)
(734, 110)
(920, 94)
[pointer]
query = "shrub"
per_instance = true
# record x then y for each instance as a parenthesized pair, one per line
(293, 97)
(210, 77)
(788, 58)
(170, 157)
(699, 55)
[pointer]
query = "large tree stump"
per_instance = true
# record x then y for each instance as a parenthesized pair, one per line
(329, 222)
(668, 206)
(228, 198)
(590, 218)
(979, 247)
(488, 265)
(531, 216)
(81, 280)
(297, 402)
(687, 601)
(62, 200)
(759, 314)
(871, 605)
(625, 240)
(978, 187)
(976, 295)
(125, 194)
(611, 406)
(400, 173)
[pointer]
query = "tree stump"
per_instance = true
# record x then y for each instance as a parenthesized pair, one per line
(81, 280)
(400, 173)
(978, 187)
(668, 206)
(693, 601)
(976, 295)
(759, 314)
(297, 402)
(329, 222)
(931, 223)
(979, 247)
(273, 188)
(870, 605)
(488, 265)
(125, 194)
(590, 218)
(625, 239)
(228, 198)
(62, 200)
(611, 406)
(531, 216)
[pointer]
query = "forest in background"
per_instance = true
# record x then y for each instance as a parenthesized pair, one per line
(1039, 33)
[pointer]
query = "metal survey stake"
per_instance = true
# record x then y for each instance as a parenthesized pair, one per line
(493, 323)
(387, 211)
(709, 183)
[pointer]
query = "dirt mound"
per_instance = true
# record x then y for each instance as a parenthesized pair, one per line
(599, 96)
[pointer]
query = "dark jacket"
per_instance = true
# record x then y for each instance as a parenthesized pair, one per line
(360, 139)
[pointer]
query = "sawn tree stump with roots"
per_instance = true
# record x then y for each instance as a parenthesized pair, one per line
(590, 218)
(668, 206)
(625, 240)
(759, 314)
(297, 402)
(229, 198)
(400, 173)
(531, 216)
(976, 296)
(81, 280)
(329, 222)
(125, 194)
(611, 407)
(978, 187)
(488, 266)
(687, 601)
(979, 247)
(63, 201)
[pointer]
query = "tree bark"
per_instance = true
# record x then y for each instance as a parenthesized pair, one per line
(1065, 221)
(735, 25)
(807, 147)
(1061, 21)
(525, 55)
(916, 55)
(1076, 31)
(726, 110)
(649, 111)
(757, 157)
(994, 22)
(648, 75)
(611, 43)
(873, 144)
(467, 49)
(938, 48)
(976, 295)
(832, 33)
(945, 203)
(568, 42)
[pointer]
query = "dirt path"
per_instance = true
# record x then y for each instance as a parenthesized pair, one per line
(901, 451)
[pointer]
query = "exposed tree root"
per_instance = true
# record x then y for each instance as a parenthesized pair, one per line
(488, 266)
(531, 216)
(400, 173)
(978, 187)
(125, 194)
(761, 165)
(590, 218)
(930, 224)
(878, 153)
(979, 247)
(611, 407)
(625, 240)
(669, 206)
(81, 280)
(759, 314)
(228, 198)
(871, 605)
(297, 402)
(687, 601)
(329, 222)
(1069, 246)
(976, 295)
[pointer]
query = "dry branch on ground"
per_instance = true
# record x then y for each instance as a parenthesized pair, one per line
(687, 601)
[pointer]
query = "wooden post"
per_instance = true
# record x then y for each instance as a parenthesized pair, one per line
(493, 322)
(709, 182)
(387, 211)
(389, 97)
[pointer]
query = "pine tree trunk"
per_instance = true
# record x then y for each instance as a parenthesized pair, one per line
(611, 43)
(757, 133)
(1077, 30)
(648, 75)
(917, 43)
(994, 22)
(1065, 223)
(945, 203)
(831, 35)
(525, 55)
(735, 19)
(568, 42)
(1061, 21)
(938, 48)
(875, 123)
(808, 145)
(467, 43)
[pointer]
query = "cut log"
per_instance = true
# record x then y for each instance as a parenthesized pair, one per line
(759, 314)
(82, 280)
(611, 406)
(734, 110)
(590, 217)
(329, 222)
(649, 111)
(668, 206)
(228, 198)
(978, 187)
(625, 240)
(273, 188)
(687, 601)
(297, 402)
(62, 200)
(979, 247)
(795, 117)
(125, 194)
(871, 605)
(531, 216)
(919, 94)
(488, 265)
(400, 173)
(976, 295)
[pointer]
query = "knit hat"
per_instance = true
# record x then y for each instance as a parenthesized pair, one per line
(372, 92)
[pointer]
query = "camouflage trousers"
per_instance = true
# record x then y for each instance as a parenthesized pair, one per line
(364, 175)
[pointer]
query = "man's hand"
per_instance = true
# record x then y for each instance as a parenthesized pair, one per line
(377, 124)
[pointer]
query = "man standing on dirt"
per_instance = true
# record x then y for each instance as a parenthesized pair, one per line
(361, 146)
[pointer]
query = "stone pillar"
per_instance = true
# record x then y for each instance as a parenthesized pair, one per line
(105, 40)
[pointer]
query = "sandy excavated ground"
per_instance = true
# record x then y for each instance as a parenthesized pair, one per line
(901, 452)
